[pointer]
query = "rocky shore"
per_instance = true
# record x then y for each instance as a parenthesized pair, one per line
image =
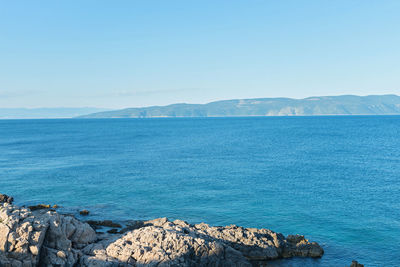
(43, 237)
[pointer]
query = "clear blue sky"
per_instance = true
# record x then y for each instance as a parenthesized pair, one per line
(118, 54)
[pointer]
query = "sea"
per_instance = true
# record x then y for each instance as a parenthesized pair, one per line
(334, 179)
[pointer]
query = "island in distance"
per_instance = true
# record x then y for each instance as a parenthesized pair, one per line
(311, 106)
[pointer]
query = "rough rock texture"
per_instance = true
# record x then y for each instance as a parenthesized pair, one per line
(46, 238)
(34, 238)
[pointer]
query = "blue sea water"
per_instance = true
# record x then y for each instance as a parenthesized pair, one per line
(334, 179)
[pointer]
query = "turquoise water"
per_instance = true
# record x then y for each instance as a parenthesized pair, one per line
(334, 179)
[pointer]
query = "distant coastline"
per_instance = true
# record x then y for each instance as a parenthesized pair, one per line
(343, 105)
(263, 107)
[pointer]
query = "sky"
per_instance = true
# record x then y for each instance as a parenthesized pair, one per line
(118, 54)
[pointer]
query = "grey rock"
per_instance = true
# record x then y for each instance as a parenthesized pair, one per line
(46, 238)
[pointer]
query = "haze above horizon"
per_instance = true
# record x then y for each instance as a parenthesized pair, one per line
(134, 54)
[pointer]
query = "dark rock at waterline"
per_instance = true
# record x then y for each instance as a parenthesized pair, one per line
(84, 212)
(297, 245)
(356, 264)
(113, 231)
(132, 225)
(42, 206)
(106, 223)
(6, 199)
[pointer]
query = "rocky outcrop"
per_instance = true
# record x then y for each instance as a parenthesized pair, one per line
(47, 238)
(6, 199)
(38, 238)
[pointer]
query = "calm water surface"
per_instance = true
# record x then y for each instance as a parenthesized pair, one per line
(334, 179)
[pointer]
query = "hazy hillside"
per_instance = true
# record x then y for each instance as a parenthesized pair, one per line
(324, 105)
(47, 113)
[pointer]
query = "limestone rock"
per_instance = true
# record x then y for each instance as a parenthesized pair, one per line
(27, 235)
(20, 238)
(164, 243)
(172, 247)
(43, 237)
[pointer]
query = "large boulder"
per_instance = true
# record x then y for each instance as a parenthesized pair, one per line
(21, 236)
(40, 238)
(163, 243)
(64, 239)
(172, 247)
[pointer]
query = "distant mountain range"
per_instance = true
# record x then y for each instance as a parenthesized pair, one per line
(311, 106)
(45, 113)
